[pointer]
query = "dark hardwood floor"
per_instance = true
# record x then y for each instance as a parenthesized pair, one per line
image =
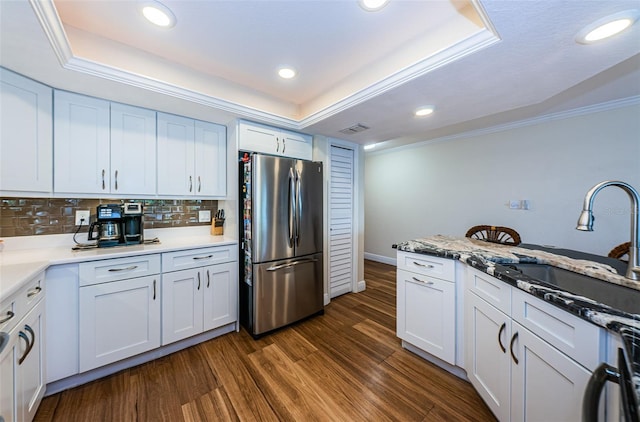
(346, 365)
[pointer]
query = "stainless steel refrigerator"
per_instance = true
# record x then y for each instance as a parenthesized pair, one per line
(281, 241)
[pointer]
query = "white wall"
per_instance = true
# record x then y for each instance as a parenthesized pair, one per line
(447, 186)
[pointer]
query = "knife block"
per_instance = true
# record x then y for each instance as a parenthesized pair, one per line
(217, 228)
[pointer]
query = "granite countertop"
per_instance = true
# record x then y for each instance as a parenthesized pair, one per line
(494, 259)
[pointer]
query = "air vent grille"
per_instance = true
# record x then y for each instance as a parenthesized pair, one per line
(354, 129)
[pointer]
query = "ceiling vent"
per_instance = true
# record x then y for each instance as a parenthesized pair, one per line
(354, 129)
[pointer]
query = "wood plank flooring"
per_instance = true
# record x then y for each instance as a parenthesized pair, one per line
(346, 365)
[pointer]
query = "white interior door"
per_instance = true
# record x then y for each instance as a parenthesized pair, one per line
(341, 221)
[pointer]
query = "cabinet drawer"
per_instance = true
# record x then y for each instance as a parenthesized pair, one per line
(494, 291)
(107, 270)
(571, 335)
(15, 307)
(194, 258)
(427, 265)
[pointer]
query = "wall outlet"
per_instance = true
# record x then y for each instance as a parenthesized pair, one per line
(204, 216)
(514, 204)
(83, 215)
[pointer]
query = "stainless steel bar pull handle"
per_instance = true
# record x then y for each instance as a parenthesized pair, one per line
(103, 185)
(154, 290)
(7, 317)
(292, 207)
(284, 146)
(202, 257)
(114, 270)
(291, 264)
(423, 265)
(116, 179)
(190, 183)
(208, 279)
(298, 208)
(428, 283)
(277, 145)
(198, 280)
(199, 184)
(34, 291)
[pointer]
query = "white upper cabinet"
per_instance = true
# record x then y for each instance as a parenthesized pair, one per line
(81, 148)
(191, 157)
(133, 150)
(26, 143)
(269, 140)
(102, 147)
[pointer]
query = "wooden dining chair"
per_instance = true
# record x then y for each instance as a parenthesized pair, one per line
(494, 234)
(620, 251)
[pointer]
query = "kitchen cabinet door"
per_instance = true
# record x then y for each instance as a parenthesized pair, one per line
(176, 149)
(274, 141)
(118, 320)
(62, 321)
(220, 295)
(547, 385)
(8, 360)
(426, 314)
(133, 150)
(81, 147)
(182, 304)
(210, 159)
(296, 145)
(26, 134)
(30, 368)
(488, 362)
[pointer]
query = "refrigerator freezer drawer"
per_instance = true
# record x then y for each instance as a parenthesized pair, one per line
(286, 291)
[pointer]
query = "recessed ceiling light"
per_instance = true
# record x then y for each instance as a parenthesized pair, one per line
(369, 146)
(424, 111)
(607, 26)
(158, 14)
(286, 72)
(373, 5)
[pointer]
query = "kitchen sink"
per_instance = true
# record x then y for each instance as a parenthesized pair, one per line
(618, 297)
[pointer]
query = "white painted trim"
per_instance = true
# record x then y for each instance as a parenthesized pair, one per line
(474, 43)
(596, 108)
(380, 258)
(54, 29)
(47, 14)
(361, 286)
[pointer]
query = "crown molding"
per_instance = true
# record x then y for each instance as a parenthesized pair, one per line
(577, 112)
(50, 21)
(470, 45)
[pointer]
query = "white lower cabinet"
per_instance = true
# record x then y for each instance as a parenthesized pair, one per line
(22, 364)
(201, 298)
(119, 318)
(426, 304)
(520, 375)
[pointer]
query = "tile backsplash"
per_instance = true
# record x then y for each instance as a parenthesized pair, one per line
(36, 216)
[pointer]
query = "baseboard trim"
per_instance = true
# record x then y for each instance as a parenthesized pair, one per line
(380, 258)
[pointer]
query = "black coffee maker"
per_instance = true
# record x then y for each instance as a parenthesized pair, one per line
(117, 225)
(108, 225)
(132, 222)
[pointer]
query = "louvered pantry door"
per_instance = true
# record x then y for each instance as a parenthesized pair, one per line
(341, 221)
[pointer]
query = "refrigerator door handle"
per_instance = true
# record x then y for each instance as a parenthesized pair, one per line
(291, 264)
(292, 206)
(299, 208)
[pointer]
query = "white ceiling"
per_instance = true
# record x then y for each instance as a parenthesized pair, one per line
(480, 63)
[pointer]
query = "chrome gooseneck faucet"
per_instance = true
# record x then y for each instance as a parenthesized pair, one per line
(585, 222)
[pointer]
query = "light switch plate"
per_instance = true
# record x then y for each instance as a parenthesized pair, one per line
(204, 216)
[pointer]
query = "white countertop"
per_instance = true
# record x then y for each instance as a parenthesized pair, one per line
(22, 259)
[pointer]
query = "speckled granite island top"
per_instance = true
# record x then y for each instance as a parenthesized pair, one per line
(494, 259)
